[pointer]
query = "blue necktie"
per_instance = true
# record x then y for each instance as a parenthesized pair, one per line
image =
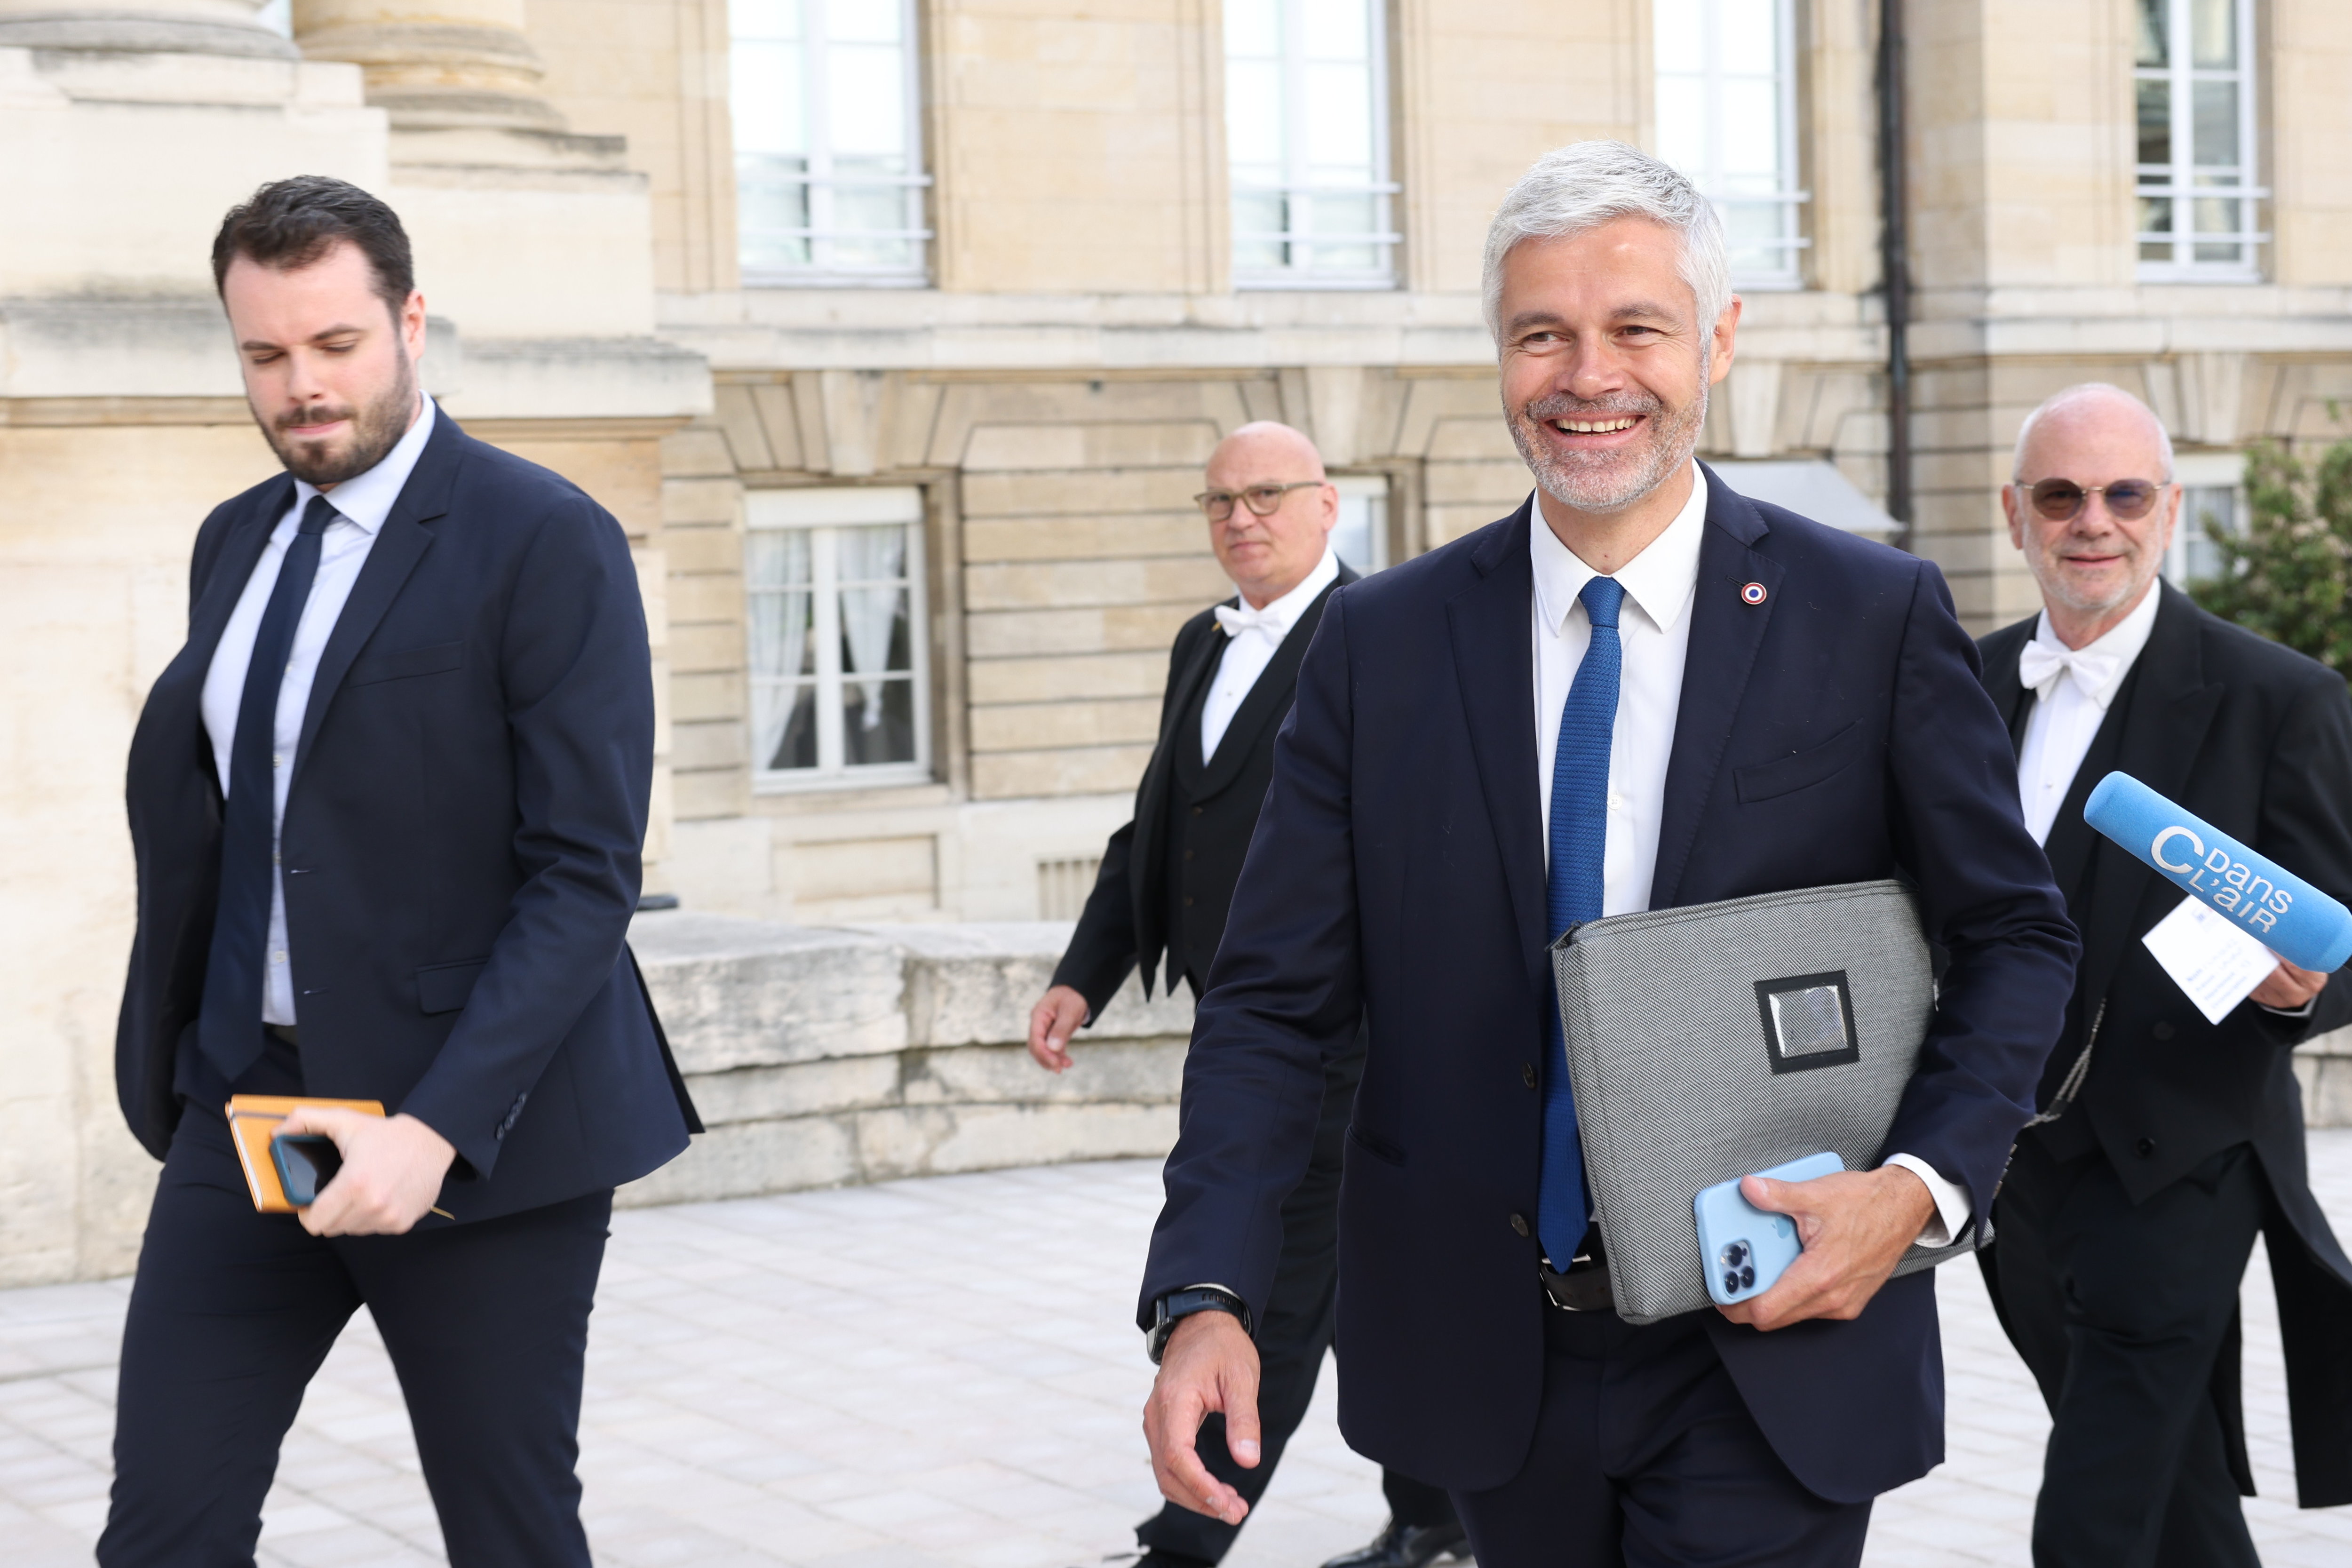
(230, 1026)
(1579, 839)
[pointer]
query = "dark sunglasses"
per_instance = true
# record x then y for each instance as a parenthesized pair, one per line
(2062, 500)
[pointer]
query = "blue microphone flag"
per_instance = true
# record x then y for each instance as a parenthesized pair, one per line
(2268, 902)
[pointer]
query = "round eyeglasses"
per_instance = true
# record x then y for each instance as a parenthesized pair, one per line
(2062, 500)
(1262, 500)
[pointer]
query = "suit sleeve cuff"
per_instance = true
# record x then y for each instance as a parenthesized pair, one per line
(1952, 1204)
(2297, 1013)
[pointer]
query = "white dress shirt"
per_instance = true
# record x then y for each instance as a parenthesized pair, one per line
(1251, 638)
(1653, 640)
(362, 504)
(2071, 689)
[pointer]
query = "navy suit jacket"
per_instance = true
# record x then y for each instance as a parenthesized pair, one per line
(1835, 732)
(460, 849)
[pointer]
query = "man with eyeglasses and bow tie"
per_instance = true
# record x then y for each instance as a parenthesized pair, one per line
(2130, 1207)
(1166, 882)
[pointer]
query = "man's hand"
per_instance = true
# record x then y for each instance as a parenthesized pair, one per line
(1855, 1227)
(393, 1168)
(1209, 1365)
(1052, 1022)
(2290, 989)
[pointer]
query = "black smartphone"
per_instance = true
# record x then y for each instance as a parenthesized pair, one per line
(306, 1162)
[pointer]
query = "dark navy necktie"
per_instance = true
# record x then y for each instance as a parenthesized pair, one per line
(230, 1026)
(1580, 841)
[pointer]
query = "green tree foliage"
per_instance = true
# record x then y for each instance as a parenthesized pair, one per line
(2288, 573)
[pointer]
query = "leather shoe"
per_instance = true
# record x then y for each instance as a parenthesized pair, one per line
(1407, 1546)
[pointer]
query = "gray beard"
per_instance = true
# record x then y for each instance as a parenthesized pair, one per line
(1618, 481)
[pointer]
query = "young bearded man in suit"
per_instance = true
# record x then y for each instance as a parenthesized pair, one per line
(1166, 882)
(2128, 1214)
(387, 804)
(1639, 690)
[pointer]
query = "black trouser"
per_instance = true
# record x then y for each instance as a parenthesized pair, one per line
(1645, 1455)
(233, 1311)
(2121, 1310)
(1293, 1333)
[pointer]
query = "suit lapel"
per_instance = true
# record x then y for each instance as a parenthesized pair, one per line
(2008, 695)
(1493, 661)
(180, 689)
(2164, 726)
(399, 545)
(1269, 697)
(1725, 633)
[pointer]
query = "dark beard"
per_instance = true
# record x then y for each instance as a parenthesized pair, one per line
(376, 429)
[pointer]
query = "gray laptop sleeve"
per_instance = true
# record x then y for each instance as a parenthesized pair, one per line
(1707, 1042)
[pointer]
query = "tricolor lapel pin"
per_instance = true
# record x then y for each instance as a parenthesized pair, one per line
(1753, 593)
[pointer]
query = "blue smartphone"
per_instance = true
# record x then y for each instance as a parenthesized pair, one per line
(1744, 1247)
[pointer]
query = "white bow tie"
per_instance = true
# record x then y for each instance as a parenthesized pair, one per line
(1263, 622)
(2040, 664)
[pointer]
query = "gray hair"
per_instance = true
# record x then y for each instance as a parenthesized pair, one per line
(1574, 189)
(2088, 391)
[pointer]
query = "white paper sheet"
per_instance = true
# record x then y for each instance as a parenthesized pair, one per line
(2210, 957)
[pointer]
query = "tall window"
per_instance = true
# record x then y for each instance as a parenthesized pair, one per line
(1361, 537)
(2211, 486)
(2195, 87)
(1306, 133)
(839, 692)
(828, 168)
(1727, 102)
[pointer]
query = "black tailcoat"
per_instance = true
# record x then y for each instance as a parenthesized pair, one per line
(2257, 740)
(1149, 897)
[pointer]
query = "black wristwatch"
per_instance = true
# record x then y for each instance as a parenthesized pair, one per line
(1177, 1305)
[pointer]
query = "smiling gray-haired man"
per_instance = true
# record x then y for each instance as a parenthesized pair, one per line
(1638, 691)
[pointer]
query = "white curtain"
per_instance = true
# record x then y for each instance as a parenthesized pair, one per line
(870, 614)
(778, 560)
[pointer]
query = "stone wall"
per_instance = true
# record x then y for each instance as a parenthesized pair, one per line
(2324, 1067)
(826, 1057)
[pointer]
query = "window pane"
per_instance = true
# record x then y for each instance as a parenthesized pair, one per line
(2154, 29)
(2213, 31)
(1338, 124)
(2155, 121)
(1677, 39)
(1681, 123)
(2216, 106)
(877, 722)
(1749, 36)
(1258, 223)
(2205, 510)
(1751, 138)
(784, 727)
(1254, 119)
(1336, 29)
(862, 21)
(1253, 27)
(866, 87)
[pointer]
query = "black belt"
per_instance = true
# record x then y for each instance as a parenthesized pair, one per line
(1584, 1286)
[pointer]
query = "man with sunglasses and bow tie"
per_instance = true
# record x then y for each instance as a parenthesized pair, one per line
(1166, 881)
(2129, 1211)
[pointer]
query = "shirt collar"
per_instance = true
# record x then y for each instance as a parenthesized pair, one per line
(2099, 665)
(1660, 580)
(367, 499)
(1281, 613)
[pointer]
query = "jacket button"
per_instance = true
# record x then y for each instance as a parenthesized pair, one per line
(1188, 853)
(2162, 1031)
(1528, 1074)
(1196, 811)
(1519, 1223)
(2146, 1147)
(1188, 901)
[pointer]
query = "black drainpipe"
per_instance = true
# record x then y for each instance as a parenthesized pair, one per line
(1894, 265)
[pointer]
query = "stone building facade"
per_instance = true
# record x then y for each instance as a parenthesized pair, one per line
(896, 332)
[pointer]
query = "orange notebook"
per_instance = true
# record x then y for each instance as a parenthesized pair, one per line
(253, 1121)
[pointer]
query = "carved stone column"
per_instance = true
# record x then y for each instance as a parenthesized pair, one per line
(435, 65)
(141, 26)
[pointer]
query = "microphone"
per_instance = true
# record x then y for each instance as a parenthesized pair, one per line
(2269, 903)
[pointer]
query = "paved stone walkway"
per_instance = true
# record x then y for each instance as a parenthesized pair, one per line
(792, 1379)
